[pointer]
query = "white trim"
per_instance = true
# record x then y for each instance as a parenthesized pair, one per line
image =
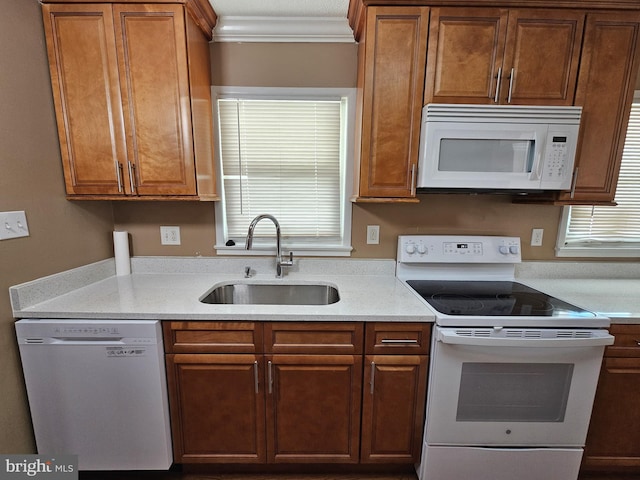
(349, 94)
(595, 250)
(283, 29)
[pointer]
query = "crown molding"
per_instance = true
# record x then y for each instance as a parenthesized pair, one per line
(283, 29)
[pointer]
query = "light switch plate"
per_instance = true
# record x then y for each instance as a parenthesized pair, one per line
(13, 225)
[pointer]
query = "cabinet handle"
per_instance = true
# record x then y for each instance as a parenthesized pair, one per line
(574, 181)
(399, 340)
(373, 376)
(495, 99)
(119, 176)
(511, 84)
(132, 182)
(413, 180)
(270, 377)
(255, 375)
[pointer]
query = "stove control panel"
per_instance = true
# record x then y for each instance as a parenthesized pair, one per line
(458, 249)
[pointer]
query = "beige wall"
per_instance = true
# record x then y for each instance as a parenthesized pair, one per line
(63, 234)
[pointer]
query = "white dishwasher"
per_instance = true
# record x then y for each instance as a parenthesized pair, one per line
(97, 389)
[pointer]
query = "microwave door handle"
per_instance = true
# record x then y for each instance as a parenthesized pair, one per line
(598, 339)
(536, 168)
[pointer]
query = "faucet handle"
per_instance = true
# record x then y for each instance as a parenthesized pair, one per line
(287, 263)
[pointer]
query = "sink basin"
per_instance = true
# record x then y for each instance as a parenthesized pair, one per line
(272, 294)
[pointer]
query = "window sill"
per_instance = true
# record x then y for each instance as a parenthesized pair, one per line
(301, 251)
(598, 252)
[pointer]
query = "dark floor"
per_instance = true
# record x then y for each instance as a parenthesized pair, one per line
(291, 476)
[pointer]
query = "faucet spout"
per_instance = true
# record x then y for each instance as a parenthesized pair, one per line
(279, 261)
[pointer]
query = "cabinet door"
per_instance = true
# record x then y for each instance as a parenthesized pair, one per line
(613, 441)
(393, 407)
(86, 94)
(391, 81)
(217, 408)
(491, 55)
(466, 48)
(152, 58)
(313, 408)
(542, 56)
(608, 72)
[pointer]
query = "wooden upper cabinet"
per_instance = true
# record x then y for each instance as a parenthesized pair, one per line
(86, 93)
(493, 55)
(152, 60)
(127, 81)
(391, 65)
(608, 73)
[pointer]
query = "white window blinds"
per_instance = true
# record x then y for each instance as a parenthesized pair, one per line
(282, 157)
(608, 226)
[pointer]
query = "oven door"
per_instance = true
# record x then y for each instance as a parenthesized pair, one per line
(513, 387)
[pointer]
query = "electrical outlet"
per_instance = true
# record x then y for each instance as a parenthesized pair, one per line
(170, 235)
(536, 237)
(373, 234)
(13, 225)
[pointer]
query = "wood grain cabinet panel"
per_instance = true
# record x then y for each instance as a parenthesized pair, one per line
(613, 441)
(493, 55)
(86, 94)
(313, 408)
(128, 82)
(394, 392)
(391, 65)
(217, 408)
(393, 403)
(606, 82)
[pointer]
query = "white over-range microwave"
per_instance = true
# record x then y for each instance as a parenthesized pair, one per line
(496, 147)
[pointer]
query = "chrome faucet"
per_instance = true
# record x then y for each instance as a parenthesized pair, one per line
(279, 261)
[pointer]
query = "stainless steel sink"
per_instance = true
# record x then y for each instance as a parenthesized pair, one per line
(272, 294)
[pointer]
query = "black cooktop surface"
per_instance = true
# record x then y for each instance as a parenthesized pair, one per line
(492, 298)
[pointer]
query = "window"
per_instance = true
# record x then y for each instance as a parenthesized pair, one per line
(606, 231)
(285, 152)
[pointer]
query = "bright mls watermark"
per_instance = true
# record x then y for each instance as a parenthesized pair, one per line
(49, 467)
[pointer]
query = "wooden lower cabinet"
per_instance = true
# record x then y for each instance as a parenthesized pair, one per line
(393, 402)
(217, 408)
(613, 441)
(313, 408)
(292, 392)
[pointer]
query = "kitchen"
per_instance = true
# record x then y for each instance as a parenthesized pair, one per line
(32, 181)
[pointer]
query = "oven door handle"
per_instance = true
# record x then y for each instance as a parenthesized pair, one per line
(597, 338)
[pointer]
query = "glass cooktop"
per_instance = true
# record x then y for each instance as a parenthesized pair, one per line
(492, 298)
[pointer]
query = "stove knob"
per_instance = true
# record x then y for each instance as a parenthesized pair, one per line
(513, 249)
(410, 248)
(422, 249)
(503, 249)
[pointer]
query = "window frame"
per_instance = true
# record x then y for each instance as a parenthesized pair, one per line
(596, 249)
(261, 247)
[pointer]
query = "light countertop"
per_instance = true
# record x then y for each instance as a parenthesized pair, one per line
(169, 288)
(607, 288)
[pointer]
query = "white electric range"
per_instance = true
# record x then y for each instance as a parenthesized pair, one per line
(513, 370)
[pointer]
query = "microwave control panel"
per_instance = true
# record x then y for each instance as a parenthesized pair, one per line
(556, 157)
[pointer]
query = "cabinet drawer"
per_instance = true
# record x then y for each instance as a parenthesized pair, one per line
(627, 343)
(397, 338)
(312, 337)
(212, 337)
